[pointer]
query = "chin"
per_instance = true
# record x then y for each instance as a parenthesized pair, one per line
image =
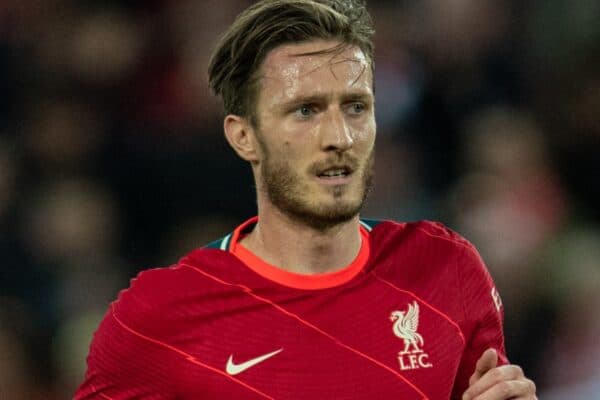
(325, 216)
(315, 206)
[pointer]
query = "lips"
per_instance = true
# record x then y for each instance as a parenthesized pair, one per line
(335, 172)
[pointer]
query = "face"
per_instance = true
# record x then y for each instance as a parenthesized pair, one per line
(316, 132)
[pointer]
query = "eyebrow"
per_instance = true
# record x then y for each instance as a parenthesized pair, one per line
(323, 98)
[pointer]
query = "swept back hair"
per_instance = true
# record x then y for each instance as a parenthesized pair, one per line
(235, 63)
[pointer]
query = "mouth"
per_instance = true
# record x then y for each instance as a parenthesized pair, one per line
(335, 175)
(335, 172)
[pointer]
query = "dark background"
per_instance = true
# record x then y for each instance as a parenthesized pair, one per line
(112, 160)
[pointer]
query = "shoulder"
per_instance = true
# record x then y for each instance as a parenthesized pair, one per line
(155, 292)
(149, 295)
(431, 245)
(157, 284)
(424, 231)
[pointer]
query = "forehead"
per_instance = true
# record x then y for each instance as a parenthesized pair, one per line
(295, 69)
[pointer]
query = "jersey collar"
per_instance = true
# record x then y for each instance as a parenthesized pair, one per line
(292, 279)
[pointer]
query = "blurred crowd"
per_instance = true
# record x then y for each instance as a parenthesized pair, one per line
(112, 160)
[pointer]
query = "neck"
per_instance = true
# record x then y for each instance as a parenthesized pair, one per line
(289, 244)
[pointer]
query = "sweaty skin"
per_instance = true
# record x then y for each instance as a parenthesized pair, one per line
(315, 114)
(320, 83)
(289, 75)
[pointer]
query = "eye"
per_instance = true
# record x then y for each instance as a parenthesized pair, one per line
(356, 108)
(304, 111)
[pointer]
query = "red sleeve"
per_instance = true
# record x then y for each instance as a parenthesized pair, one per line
(484, 316)
(122, 362)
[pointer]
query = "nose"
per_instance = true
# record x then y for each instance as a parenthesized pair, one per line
(335, 133)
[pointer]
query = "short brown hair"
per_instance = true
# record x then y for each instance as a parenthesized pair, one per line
(270, 23)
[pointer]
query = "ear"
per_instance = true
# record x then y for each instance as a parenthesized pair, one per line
(241, 137)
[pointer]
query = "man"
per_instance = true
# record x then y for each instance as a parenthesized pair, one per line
(307, 301)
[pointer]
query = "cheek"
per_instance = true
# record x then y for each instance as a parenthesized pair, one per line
(365, 134)
(286, 152)
(299, 138)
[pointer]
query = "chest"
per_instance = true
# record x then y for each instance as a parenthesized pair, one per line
(364, 340)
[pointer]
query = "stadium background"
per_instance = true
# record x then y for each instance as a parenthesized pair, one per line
(112, 160)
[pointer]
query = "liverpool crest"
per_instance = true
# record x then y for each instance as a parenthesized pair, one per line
(405, 325)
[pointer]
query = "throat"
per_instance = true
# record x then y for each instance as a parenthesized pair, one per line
(305, 250)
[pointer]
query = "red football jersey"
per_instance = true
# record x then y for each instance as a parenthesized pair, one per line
(407, 319)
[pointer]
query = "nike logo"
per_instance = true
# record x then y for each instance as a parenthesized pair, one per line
(233, 369)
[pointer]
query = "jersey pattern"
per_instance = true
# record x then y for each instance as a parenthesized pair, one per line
(408, 322)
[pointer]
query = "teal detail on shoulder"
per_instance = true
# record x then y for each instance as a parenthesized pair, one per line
(225, 242)
(369, 224)
(222, 244)
(214, 245)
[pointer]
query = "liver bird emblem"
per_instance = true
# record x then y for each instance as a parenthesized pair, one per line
(405, 327)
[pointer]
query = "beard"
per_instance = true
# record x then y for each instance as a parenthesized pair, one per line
(291, 196)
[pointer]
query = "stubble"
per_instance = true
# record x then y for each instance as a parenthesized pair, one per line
(285, 188)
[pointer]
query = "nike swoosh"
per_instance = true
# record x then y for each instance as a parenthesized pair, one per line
(233, 369)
